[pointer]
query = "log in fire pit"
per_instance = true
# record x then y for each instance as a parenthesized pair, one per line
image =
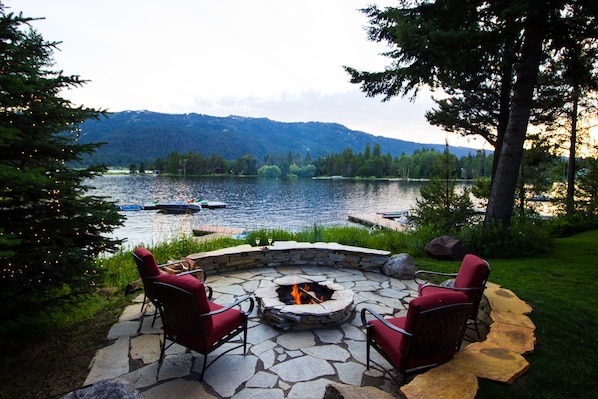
(303, 302)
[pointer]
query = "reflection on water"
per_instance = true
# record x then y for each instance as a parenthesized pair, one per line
(252, 203)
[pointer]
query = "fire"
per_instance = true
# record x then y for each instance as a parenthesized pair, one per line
(297, 293)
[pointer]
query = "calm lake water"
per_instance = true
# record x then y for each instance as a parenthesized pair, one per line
(252, 203)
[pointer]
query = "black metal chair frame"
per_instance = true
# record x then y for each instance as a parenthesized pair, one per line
(455, 313)
(193, 326)
(148, 282)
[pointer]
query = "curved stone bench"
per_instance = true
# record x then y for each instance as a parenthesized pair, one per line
(290, 253)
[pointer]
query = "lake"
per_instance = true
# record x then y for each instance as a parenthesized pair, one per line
(252, 203)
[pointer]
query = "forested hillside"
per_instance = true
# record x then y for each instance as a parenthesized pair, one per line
(133, 137)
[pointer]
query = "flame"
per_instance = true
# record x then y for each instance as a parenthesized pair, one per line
(296, 294)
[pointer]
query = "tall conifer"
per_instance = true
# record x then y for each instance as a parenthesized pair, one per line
(50, 231)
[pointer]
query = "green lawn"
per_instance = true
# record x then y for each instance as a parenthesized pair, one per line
(561, 287)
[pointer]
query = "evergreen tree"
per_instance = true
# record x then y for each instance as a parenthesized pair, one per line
(50, 231)
(442, 209)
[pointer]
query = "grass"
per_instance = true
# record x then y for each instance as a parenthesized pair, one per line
(48, 355)
(561, 287)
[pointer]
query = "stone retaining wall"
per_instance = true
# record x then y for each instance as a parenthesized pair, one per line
(290, 253)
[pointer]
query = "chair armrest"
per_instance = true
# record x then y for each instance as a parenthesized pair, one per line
(189, 271)
(464, 289)
(178, 262)
(423, 281)
(382, 320)
(203, 278)
(229, 306)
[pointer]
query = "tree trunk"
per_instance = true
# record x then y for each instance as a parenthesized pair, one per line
(502, 191)
(570, 200)
(503, 113)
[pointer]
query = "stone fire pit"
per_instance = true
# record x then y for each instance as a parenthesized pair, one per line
(329, 312)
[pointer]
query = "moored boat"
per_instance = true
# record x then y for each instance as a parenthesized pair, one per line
(129, 207)
(177, 207)
(211, 204)
(393, 214)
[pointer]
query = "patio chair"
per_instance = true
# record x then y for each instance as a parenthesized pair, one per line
(191, 320)
(471, 279)
(430, 334)
(148, 271)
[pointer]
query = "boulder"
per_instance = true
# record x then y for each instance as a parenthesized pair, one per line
(446, 247)
(105, 389)
(401, 266)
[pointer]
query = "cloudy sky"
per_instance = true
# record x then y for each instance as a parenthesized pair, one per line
(282, 60)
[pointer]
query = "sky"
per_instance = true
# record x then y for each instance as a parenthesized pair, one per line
(281, 60)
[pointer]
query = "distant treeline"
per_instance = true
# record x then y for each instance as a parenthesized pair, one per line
(369, 163)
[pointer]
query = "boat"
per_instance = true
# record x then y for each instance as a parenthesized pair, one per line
(177, 207)
(539, 198)
(393, 214)
(211, 204)
(129, 207)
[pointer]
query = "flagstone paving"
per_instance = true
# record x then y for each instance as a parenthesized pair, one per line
(301, 364)
(278, 364)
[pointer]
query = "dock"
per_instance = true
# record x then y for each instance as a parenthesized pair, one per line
(216, 231)
(377, 220)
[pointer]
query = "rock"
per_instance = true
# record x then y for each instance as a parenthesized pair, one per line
(518, 339)
(505, 300)
(484, 360)
(400, 266)
(105, 389)
(445, 381)
(446, 247)
(341, 391)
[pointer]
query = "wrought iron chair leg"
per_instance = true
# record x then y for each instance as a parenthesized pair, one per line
(155, 316)
(475, 327)
(245, 338)
(203, 369)
(145, 300)
(162, 356)
(367, 350)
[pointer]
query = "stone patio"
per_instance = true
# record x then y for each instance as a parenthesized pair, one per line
(278, 364)
(290, 364)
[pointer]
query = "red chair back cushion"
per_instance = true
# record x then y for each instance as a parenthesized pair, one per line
(427, 302)
(151, 267)
(194, 286)
(473, 272)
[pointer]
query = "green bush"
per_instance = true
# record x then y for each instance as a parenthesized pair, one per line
(566, 226)
(525, 237)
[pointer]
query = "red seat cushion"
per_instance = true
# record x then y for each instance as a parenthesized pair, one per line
(151, 267)
(392, 343)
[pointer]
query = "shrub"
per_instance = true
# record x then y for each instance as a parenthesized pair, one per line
(566, 226)
(525, 237)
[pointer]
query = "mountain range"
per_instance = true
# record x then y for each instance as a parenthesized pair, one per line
(144, 136)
